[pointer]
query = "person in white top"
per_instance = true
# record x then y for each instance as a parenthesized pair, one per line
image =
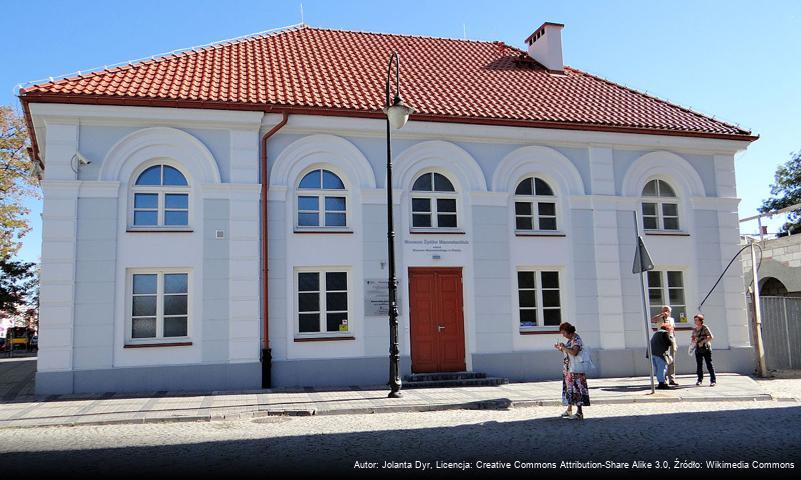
(664, 317)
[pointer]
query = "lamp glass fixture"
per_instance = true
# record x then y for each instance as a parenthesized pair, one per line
(398, 113)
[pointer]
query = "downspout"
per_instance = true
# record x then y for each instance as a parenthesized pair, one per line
(33, 150)
(266, 352)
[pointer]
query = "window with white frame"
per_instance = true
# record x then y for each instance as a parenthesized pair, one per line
(666, 287)
(433, 202)
(160, 198)
(535, 206)
(321, 200)
(322, 302)
(539, 299)
(660, 207)
(159, 306)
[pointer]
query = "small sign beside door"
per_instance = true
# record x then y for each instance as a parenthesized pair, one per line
(376, 297)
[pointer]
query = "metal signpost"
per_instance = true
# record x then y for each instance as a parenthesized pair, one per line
(642, 264)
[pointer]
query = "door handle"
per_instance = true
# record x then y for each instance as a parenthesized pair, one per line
(440, 328)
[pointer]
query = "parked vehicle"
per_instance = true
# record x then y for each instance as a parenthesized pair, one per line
(19, 336)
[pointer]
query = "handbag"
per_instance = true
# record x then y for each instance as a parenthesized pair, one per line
(581, 363)
(691, 349)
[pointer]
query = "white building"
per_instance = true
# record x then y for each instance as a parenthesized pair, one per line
(515, 183)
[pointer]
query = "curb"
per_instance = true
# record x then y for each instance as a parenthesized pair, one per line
(495, 404)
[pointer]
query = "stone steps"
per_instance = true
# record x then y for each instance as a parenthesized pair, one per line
(452, 379)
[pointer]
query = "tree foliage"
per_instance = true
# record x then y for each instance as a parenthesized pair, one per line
(17, 183)
(18, 288)
(786, 192)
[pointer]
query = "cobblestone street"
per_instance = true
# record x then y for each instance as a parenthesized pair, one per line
(686, 431)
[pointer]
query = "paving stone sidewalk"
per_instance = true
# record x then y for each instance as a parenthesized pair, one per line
(123, 408)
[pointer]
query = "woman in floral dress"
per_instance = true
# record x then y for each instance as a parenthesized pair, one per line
(574, 384)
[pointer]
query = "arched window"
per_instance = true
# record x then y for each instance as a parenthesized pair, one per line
(160, 198)
(660, 207)
(433, 202)
(773, 287)
(322, 200)
(535, 205)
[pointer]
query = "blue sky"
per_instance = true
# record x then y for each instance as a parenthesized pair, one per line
(737, 60)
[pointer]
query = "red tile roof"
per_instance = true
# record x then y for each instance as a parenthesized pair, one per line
(336, 72)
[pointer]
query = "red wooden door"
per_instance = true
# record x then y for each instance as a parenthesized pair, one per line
(437, 320)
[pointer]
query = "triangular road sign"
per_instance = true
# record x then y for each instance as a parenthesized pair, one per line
(642, 260)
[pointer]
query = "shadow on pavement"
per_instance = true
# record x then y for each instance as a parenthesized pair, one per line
(764, 435)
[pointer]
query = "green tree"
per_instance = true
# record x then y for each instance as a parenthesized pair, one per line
(786, 192)
(17, 183)
(18, 288)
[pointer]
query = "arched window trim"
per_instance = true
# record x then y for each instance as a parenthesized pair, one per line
(438, 203)
(660, 213)
(534, 200)
(168, 200)
(321, 203)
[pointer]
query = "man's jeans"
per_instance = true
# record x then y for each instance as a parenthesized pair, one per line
(660, 367)
(671, 368)
(701, 355)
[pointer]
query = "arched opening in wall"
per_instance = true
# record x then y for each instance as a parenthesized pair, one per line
(772, 287)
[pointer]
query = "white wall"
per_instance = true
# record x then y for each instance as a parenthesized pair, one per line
(597, 282)
(119, 141)
(597, 177)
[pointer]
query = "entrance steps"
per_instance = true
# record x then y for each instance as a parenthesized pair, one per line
(452, 379)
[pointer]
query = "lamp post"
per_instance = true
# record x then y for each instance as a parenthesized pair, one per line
(397, 115)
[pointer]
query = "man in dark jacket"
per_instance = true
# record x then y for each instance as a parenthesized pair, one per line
(660, 346)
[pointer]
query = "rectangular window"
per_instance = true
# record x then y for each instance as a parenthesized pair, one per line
(667, 288)
(308, 211)
(650, 218)
(176, 209)
(539, 299)
(660, 216)
(160, 209)
(146, 209)
(547, 215)
(670, 216)
(434, 212)
(523, 216)
(322, 303)
(159, 306)
(335, 212)
(535, 216)
(421, 212)
(446, 212)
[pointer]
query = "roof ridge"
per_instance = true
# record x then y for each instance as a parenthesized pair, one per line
(660, 100)
(121, 66)
(405, 35)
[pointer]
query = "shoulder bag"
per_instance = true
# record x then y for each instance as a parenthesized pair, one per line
(581, 363)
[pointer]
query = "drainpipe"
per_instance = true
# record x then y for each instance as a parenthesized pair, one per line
(266, 352)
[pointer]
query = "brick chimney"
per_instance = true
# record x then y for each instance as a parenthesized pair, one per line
(545, 46)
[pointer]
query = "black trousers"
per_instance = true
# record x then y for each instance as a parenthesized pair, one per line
(701, 355)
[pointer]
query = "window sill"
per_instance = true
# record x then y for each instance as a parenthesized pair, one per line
(159, 230)
(323, 230)
(323, 339)
(525, 233)
(435, 231)
(155, 345)
(666, 233)
(539, 332)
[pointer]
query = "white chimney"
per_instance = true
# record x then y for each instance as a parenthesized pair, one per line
(545, 46)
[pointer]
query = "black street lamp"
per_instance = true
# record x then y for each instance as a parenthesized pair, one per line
(397, 115)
